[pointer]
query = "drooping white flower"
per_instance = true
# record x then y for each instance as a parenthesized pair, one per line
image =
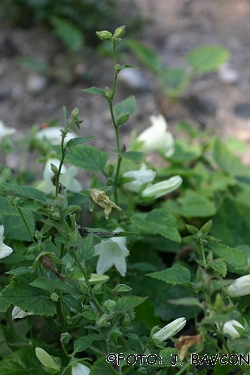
(141, 176)
(18, 313)
(5, 131)
(66, 178)
(170, 329)
(54, 135)
(156, 137)
(229, 328)
(80, 369)
(4, 249)
(161, 188)
(112, 252)
(240, 287)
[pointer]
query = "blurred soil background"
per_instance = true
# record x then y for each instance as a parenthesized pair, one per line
(35, 92)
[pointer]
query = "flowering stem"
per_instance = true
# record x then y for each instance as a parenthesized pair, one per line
(87, 282)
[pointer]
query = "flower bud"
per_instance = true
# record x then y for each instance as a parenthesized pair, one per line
(229, 328)
(121, 288)
(80, 369)
(119, 32)
(162, 188)
(108, 93)
(54, 297)
(103, 321)
(75, 112)
(240, 287)
(65, 337)
(51, 364)
(110, 305)
(104, 35)
(170, 329)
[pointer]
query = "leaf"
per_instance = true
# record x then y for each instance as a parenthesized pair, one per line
(127, 106)
(102, 367)
(219, 266)
(76, 141)
(94, 90)
(158, 221)
(86, 251)
(231, 224)
(6, 208)
(167, 356)
(26, 191)
(128, 303)
(188, 301)
(16, 229)
(69, 34)
(20, 293)
(87, 157)
(192, 204)
(83, 343)
(233, 257)
(228, 162)
(51, 285)
(176, 81)
(145, 55)
(135, 156)
(207, 58)
(145, 313)
(174, 275)
(22, 362)
(184, 152)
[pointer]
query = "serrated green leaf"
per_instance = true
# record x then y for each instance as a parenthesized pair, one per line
(18, 270)
(20, 293)
(83, 343)
(51, 285)
(207, 58)
(218, 265)
(26, 191)
(158, 221)
(77, 141)
(166, 356)
(176, 80)
(184, 152)
(192, 204)
(126, 106)
(16, 229)
(86, 251)
(22, 362)
(145, 313)
(234, 259)
(134, 156)
(94, 90)
(6, 208)
(69, 34)
(87, 157)
(129, 303)
(228, 162)
(102, 367)
(174, 275)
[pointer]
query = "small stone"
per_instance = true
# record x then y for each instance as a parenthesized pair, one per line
(132, 78)
(36, 83)
(226, 74)
(242, 110)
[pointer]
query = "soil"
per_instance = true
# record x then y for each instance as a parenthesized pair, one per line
(28, 97)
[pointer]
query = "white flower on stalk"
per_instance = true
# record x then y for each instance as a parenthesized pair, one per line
(170, 329)
(240, 287)
(4, 249)
(54, 135)
(80, 369)
(5, 131)
(141, 176)
(229, 328)
(112, 253)
(66, 178)
(162, 188)
(156, 137)
(18, 313)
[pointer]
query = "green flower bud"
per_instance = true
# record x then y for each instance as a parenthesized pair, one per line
(51, 364)
(122, 288)
(54, 297)
(104, 35)
(103, 321)
(65, 337)
(75, 112)
(110, 305)
(119, 32)
(108, 93)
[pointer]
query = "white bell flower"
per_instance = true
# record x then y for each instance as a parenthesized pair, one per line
(66, 178)
(18, 313)
(141, 176)
(4, 249)
(170, 329)
(156, 137)
(54, 135)
(240, 287)
(229, 328)
(80, 369)
(5, 131)
(161, 188)
(112, 252)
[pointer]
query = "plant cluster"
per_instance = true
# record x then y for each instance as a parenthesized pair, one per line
(99, 281)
